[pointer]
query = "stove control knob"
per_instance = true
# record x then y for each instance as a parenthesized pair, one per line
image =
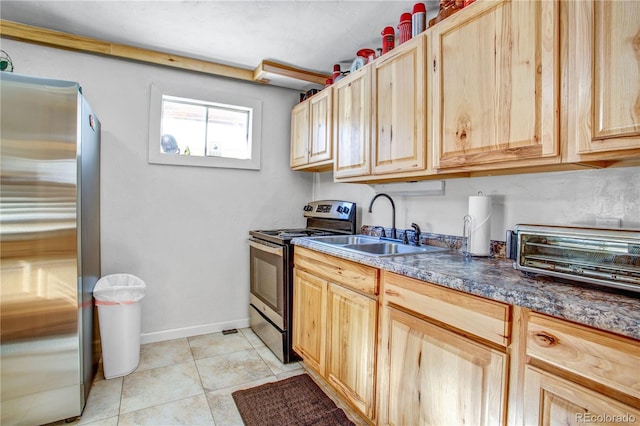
(345, 210)
(307, 208)
(339, 209)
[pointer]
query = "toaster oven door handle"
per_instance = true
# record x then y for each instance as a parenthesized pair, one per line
(278, 251)
(511, 247)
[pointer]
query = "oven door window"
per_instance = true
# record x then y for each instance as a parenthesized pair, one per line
(267, 275)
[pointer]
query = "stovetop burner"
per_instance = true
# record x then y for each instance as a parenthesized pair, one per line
(288, 234)
(328, 217)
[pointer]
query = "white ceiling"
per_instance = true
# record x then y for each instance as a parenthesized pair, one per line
(312, 35)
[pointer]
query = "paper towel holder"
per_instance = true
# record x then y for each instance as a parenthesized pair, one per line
(466, 233)
(466, 229)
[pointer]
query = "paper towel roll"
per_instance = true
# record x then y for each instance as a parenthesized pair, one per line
(480, 225)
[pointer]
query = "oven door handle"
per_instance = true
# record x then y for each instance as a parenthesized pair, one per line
(278, 251)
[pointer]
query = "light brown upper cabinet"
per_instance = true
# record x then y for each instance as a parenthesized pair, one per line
(603, 79)
(495, 69)
(381, 117)
(311, 143)
(352, 114)
(300, 135)
(400, 96)
(500, 86)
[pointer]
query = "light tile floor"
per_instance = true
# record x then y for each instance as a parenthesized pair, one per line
(189, 382)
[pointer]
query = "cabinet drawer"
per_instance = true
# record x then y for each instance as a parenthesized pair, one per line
(350, 274)
(484, 318)
(611, 360)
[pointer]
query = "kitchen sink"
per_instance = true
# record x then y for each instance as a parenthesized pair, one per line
(389, 249)
(346, 239)
(374, 246)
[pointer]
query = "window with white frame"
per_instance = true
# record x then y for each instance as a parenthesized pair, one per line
(204, 129)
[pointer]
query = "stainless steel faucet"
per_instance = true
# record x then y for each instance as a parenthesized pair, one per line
(393, 208)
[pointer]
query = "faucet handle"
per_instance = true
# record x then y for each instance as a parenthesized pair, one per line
(417, 232)
(382, 233)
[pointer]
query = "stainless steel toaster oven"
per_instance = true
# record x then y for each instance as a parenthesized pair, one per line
(607, 257)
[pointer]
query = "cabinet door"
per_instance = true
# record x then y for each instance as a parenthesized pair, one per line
(603, 76)
(550, 400)
(495, 83)
(437, 377)
(309, 318)
(300, 134)
(320, 147)
(352, 112)
(401, 102)
(352, 320)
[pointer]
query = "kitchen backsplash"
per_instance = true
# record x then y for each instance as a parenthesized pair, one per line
(439, 240)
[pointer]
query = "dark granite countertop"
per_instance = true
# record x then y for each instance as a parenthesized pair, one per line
(497, 280)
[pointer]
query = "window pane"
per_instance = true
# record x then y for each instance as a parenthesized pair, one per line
(204, 128)
(228, 133)
(186, 124)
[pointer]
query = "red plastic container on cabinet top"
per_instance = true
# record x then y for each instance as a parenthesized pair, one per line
(388, 39)
(404, 27)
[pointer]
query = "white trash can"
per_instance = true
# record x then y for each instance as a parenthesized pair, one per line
(119, 315)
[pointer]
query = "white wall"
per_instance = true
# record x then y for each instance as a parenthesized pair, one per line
(563, 198)
(183, 230)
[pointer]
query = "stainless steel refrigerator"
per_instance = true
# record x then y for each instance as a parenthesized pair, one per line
(49, 248)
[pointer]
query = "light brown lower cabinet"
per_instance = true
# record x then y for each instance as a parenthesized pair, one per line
(310, 318)
(552, 400)
(351, 344)
(579, 375)
(430, 374)
(437, 377)
(335, 315)
(423, 354)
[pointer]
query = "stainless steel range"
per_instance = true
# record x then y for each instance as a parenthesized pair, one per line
(271, 274)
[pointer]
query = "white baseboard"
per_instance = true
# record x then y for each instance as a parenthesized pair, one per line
(179, 333)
